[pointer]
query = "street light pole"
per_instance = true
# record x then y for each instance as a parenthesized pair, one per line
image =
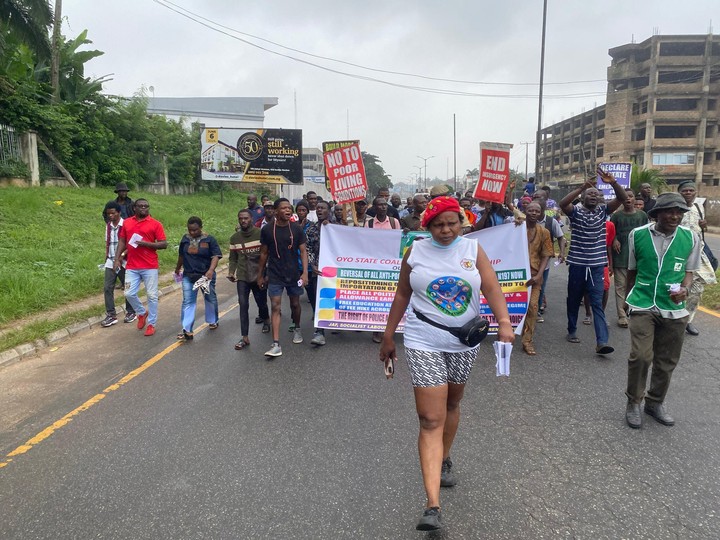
(425, 159)
(419, 176)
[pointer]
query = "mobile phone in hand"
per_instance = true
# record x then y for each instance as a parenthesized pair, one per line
(390, 367)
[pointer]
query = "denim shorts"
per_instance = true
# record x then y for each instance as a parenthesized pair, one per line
(276, 289)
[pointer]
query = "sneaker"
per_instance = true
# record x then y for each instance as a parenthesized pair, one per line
(318, 338)
(431, 520)
(141, 319)
(129, 317)
(275, 350)
(297, 336)
(540, 318)
(447, 478)
(108, 321)
(291, 328)
(266, 328)
(150, 330)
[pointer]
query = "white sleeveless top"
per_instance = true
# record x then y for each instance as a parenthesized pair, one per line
(446, 289)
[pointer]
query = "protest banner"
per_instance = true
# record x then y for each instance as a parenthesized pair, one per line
(270, 156)
(345, 170)
(494, 172)
(360, 269)
(622, 173)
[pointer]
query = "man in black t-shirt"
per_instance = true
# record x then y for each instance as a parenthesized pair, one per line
(283, 251)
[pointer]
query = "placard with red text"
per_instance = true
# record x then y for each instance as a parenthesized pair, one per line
(345, 171)
(494, 172)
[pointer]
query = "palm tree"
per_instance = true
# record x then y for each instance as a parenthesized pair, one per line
(641, 175)
(29, 20)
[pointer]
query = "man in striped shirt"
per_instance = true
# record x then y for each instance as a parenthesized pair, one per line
(587, 257)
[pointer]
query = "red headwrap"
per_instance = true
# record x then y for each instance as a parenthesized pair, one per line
(437, 206)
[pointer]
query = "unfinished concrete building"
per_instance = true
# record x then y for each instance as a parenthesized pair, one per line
(661, 112)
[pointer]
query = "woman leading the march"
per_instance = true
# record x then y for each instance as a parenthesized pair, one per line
(441, 278)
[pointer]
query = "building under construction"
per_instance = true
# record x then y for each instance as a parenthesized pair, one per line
(661, 112)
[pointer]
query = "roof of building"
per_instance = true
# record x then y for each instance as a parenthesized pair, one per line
(628, 47)
(238, 108)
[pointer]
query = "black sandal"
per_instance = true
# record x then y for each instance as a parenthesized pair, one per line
(240, 345)
(185, 336)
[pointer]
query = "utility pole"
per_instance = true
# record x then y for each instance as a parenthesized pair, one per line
(55, 60)
(540, 95)
(526, 158)
(454, 155)
(425, 159)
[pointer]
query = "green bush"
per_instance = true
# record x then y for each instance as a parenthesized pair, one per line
(14, 169)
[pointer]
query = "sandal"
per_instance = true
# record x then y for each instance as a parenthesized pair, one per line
(185, 336)
(587, 320)
(213, 326)
(572, 339)
(529, 349)
(240, 345)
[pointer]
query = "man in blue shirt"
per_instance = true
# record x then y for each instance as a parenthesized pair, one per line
(587, 257)
(256, 211)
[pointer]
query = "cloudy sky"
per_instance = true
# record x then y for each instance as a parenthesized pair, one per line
(148, 44)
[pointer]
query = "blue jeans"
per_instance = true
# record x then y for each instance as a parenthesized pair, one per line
(189, 303)
(133, 278)
(581, 280)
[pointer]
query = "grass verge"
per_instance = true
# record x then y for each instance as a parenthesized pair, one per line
(711, 296)
(41, 329)
(54, 238)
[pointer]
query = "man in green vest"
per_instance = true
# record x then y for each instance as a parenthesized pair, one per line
(662, 257)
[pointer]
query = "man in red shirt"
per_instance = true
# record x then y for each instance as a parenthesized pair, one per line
(142, 235)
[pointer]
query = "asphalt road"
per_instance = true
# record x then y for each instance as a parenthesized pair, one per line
(713, 240)
(208, 442)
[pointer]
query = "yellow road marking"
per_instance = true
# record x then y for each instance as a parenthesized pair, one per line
(48, 431)
(709, 312)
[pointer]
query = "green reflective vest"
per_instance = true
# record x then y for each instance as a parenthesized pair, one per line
(655, 275)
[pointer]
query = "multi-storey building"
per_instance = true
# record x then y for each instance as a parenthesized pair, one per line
(662, 112)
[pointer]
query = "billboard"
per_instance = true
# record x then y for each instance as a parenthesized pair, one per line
(271, 156)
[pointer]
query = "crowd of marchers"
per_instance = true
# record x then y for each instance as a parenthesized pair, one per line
(649, 251)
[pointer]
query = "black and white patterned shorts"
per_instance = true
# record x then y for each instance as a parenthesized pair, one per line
(429, 368)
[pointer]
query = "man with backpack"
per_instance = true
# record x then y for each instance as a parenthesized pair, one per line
(382, 220)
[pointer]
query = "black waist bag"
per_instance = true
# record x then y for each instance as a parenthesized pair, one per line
(470, 334)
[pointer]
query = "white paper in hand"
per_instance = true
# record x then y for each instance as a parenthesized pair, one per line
(134, 239)
(502, 354)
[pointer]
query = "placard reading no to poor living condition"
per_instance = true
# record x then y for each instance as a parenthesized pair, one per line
(345, 170)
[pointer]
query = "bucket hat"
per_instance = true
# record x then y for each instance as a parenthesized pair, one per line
(665, 201)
